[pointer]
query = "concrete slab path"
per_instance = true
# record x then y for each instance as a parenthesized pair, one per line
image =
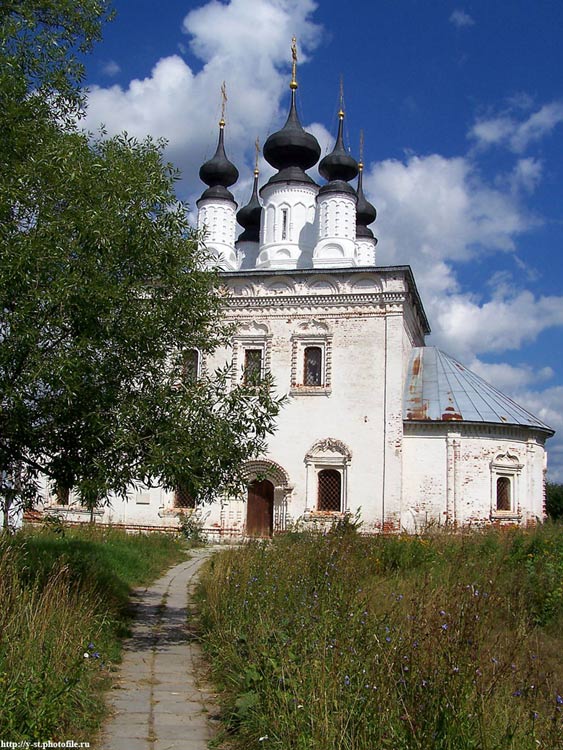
(158, 703)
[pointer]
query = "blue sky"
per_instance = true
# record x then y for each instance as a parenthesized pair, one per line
(461, 105)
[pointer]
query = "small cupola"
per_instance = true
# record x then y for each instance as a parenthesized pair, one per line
(339, 165)
(336, 206)
(216, 209)
(219, 173)
(250, 215)
(365, 211)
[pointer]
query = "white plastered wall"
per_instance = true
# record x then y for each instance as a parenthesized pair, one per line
(289, 227)
(363, 338)
(450, 474)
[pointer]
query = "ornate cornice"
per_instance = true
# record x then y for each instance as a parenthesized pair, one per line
(255, 283)
(319, 300)
(473, 429)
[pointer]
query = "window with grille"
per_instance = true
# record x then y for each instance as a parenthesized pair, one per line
(312, 365)
(330, 490)
(503, 493)
(183, 498)
(252, 366)
(190, 365)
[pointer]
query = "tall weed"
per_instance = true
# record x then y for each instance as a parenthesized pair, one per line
(410, 643)
(63, 608)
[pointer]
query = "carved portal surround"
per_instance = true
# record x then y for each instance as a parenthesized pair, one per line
(328, 453)
(263, 468)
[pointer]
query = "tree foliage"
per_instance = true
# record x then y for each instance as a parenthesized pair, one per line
(102, 287)
(554, 500)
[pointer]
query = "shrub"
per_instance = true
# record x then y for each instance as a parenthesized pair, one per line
(554, 500)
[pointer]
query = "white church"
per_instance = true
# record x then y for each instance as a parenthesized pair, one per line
(376, 423)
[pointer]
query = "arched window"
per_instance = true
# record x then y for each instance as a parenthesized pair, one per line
(503, 493)
(190, 366)
(312, 365)
(330, 490)
(285, 219)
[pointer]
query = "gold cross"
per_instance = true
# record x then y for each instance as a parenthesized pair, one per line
(223, 102)
(257, 147)
(293, 84)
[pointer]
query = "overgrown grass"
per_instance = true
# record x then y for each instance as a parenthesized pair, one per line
(434, 642)
(63, 610)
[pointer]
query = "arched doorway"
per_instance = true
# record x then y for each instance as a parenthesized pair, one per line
(260, 508)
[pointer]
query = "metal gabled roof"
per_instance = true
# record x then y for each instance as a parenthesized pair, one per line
(438, 388)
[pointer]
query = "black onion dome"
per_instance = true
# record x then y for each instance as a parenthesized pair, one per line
(365, 211)
(339, 165)
(338, 186)
(249, 216)
(292, 150)
(219, 173)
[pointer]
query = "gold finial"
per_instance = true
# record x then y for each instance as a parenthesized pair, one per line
(341, 112)
(361, 162)
(293, 84)
(257, 147)
(223, 104)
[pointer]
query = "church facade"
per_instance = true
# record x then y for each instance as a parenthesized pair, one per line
(376, 423)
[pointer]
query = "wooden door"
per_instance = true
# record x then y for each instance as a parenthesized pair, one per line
(260, 509)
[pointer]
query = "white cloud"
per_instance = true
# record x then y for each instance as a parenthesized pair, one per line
(243, 42)
(526, 174)
(510, 378)
(515, 134)
(254, 34)
(461, 19)
(464, 326)
(111, 68)
(434, 208)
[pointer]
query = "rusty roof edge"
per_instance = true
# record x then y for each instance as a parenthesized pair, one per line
(468, 422)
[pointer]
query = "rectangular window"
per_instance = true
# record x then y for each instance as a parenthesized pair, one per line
(312, 365)
(252, 366)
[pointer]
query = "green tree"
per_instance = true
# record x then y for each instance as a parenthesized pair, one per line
(102, 289)
(554, 500)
